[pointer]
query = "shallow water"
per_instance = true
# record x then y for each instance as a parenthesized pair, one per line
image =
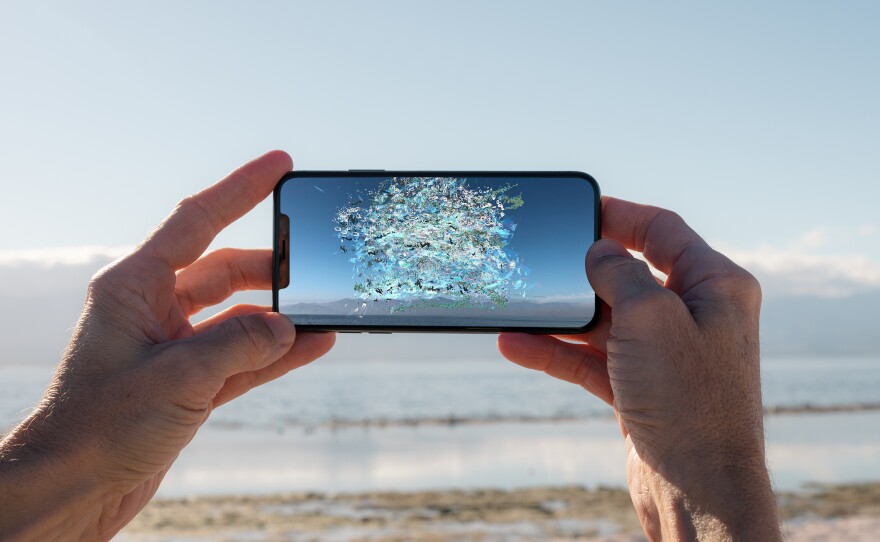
(334, 392)
(357, 426)
(802, 449)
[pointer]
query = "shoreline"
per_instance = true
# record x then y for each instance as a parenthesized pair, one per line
(453, 421)
(848, 511)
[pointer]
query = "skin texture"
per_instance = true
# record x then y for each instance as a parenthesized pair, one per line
(138, 379)
(679, 362)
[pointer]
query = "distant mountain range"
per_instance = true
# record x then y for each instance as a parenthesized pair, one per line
(517, 307)
(817, 326)
(40, 307)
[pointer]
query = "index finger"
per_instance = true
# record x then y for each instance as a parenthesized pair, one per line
(661, 235)
(186, 233)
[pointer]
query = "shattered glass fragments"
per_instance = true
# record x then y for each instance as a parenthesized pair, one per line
(432, 242)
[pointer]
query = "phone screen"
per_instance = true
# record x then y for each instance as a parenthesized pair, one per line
(435, 250)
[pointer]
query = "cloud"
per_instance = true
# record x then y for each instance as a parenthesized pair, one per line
(806, 265)
(813, 239)
(868, 230)
(59, 271)
(813, 264)
(799, 268)
(47, 258)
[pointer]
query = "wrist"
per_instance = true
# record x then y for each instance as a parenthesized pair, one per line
(50, 489)
(718, 500)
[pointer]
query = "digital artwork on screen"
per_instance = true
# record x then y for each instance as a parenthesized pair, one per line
(439, 250)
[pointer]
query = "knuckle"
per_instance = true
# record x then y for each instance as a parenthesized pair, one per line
(238, 279)
(224, 253)
(193, 204)
(661, 218)
(614, 264)
(106, 280)
(252, 379)
(178, 369)
(98, 283)
(256, 332)
(583, 372)
(740, 285)
(668, 216)
(748, 284)
(652, 302)
(187, 372)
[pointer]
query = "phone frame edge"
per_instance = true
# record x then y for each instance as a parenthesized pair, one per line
(276, 209)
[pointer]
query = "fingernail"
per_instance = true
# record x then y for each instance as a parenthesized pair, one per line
(281, 327)
(607, 247)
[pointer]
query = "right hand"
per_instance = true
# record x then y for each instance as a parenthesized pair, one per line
(680, 364)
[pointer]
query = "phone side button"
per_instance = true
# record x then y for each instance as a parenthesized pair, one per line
(366, 170)
(379, 332)
(350, 332)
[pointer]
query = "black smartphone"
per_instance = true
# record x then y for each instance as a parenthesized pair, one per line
(429, 251)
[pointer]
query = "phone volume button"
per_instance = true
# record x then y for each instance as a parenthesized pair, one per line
(366, 170)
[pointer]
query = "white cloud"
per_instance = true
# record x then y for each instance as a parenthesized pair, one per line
(868, 230)
(799, 269)
(821, 262)
(803, 266)
(60, 256)
(813, 239)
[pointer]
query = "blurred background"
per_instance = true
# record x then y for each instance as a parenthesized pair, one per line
(756, 121)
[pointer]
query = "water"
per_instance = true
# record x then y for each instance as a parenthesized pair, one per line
(341, 425)
(340, 392)
(801, 449)
(821, 381)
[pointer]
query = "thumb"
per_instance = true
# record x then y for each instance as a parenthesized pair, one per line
(241, 343)
(616, 275)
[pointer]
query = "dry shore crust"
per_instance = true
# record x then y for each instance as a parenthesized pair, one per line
(845, 512)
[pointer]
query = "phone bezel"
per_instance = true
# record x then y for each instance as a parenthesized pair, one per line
(430, 173)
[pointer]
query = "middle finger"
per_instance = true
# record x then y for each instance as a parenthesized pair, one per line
(596, 337)
(213, 278)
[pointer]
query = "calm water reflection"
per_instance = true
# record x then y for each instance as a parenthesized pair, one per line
(802, 449)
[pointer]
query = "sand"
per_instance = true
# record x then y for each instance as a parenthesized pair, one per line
(843, 512)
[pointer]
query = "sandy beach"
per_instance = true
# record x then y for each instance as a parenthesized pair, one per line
(421, 452)
(842, 512)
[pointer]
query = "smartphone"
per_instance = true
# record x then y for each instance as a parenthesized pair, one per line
(435, 251)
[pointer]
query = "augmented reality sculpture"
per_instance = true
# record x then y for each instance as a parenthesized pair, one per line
(432, 241)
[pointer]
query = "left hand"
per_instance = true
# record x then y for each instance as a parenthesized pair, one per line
(138, 378)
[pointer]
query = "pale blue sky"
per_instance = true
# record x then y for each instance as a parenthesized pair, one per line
(757, 121)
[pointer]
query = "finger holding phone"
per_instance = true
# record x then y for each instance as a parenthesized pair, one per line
(679, 362)
(138, 379)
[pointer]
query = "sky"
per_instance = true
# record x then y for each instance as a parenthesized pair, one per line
(551, 232)
(756, 121)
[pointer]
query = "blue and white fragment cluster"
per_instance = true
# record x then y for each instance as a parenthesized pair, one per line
(432, 241)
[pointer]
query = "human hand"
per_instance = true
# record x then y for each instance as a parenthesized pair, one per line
(138, 379)
(679, 362)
